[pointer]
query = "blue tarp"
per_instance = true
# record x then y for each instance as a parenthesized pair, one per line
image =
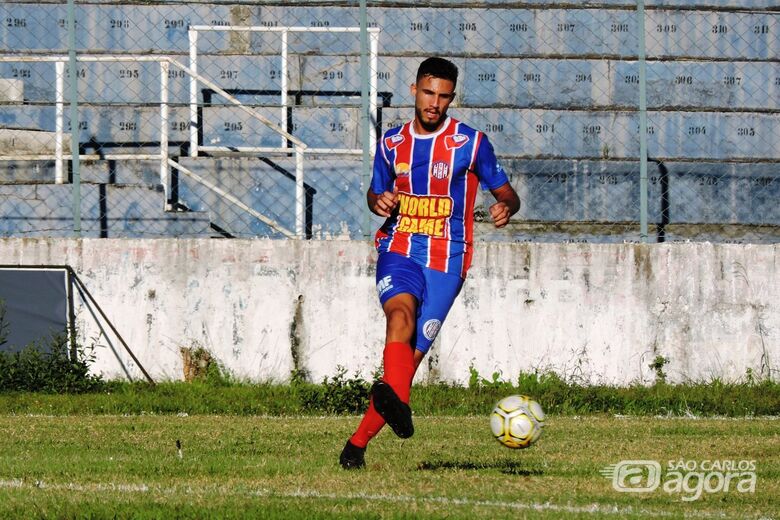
(36, 306)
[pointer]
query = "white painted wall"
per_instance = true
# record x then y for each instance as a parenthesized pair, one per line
(593, 313)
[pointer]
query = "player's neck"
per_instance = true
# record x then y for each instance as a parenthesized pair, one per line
(419, 131)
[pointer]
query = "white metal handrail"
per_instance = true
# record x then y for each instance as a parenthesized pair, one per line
(60, 156)
(300, 146)
(283, 100)
(195, 78)
(233, 199)
(373, 33)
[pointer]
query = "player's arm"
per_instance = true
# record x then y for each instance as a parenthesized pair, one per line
(492, 174)
(507, 204)
(382, 204)
(382, 194)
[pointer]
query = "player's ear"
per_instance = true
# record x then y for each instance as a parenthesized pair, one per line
(413, 89)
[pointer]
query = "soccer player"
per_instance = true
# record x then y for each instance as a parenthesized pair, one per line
(425, 181)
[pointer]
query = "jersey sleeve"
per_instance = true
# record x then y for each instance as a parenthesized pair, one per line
(382, 177)
(491, 174)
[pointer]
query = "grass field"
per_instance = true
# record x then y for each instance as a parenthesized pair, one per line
(107, 466)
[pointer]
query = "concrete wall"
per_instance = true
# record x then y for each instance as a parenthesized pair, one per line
(594, 313)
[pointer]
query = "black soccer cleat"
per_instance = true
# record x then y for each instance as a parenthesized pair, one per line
(395, 412)
(352, 457)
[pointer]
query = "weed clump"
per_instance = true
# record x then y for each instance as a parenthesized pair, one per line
(51, 368)
(336, 395)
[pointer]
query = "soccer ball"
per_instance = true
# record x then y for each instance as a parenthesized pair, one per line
(517, 421)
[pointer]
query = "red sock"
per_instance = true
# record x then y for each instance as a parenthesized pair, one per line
(399, 371)
(370, 425)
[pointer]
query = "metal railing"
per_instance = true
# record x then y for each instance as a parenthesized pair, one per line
(195, 147)
(59, 157)
(288, 140)
(165, 62)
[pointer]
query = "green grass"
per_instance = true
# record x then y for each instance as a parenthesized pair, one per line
(107, 466)
(341, 395)
(270, 451)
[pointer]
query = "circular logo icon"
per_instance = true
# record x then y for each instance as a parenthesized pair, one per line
(431, 329)
(440, 170)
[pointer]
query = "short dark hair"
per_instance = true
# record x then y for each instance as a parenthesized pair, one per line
(438, 68)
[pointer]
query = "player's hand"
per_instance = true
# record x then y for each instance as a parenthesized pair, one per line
(386, 203)
(500, 214)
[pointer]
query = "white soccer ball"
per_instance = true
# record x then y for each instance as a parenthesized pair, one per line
(517, 421)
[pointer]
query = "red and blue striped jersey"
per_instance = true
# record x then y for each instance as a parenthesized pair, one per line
(437, 177)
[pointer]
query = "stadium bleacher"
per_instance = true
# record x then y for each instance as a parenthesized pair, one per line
(556, 88)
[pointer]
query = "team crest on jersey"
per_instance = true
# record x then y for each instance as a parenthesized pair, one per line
(393, 141)
(431, 329)
(440, 170)
(455, 141)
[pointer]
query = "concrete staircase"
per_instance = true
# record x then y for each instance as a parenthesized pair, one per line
(117, 201)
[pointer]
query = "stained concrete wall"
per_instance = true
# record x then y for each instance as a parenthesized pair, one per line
(593, 313)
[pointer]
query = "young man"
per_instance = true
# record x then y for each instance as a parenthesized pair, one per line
(425, 180)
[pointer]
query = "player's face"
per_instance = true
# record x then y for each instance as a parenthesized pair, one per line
(432, 98)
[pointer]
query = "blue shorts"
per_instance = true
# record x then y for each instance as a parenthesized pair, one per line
(435, 293)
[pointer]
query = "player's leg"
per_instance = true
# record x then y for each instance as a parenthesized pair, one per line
(400, 285)
(418, 357)
(391, 396)
(400, 292)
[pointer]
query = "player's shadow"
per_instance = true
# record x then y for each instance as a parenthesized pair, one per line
(506, 466)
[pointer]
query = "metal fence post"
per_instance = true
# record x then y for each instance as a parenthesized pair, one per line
(74, 118)
(164, 118)
(365, 119)
(59, 118)
(640, 11)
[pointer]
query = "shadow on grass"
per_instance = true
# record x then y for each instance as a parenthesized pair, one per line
(506, 466)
